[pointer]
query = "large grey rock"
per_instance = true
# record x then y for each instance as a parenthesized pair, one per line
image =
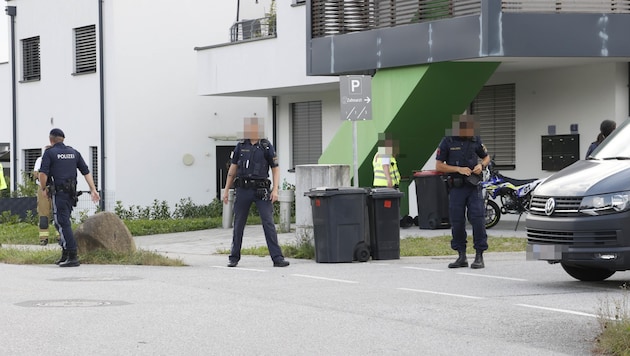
(106, 231)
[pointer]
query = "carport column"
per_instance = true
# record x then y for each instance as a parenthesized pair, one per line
(228, 210)
(312, 176)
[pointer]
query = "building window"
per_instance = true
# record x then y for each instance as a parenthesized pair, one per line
(495, 109)
(30, 156)
(94, 165)
(306, 120)
(85, 49)
(31, 68)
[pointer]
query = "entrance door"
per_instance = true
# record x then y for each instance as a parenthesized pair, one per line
(223, 164)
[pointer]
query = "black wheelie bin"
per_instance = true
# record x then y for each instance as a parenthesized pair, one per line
(432, 195)
(384, 216)
(339, 224)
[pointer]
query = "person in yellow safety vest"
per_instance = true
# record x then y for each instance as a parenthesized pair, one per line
(3, 182)
(384, 163)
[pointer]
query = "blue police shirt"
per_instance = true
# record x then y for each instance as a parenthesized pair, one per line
(254, 160)
(61, 163)
(461, 151)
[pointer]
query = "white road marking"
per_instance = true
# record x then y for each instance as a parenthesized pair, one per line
(497, 277)
(324, 278)
(558, 310)
(440, 293)
(425, 269)
(241, 269)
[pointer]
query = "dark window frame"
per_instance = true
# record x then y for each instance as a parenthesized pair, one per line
(31, 61)
(495, 110)
(306, 132)
(85, 50)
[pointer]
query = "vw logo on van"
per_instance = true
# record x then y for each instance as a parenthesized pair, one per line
(550, 206)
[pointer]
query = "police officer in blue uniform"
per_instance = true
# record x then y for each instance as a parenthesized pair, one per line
(458, 156)
(58, 178)
(249, 173)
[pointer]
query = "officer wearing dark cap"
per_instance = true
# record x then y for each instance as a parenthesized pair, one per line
(249, 173)
(58, 177)
(458, 155)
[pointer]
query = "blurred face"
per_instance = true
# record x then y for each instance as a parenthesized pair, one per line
(252, 129)
(464, 126)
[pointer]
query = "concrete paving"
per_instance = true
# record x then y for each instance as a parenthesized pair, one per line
(208, 309)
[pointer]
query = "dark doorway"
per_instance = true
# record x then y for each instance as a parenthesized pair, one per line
(223, 164)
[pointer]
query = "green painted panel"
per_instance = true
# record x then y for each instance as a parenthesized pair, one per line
(414, 104)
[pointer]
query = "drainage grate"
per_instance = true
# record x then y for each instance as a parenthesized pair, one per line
(71, 303)
(96, 279)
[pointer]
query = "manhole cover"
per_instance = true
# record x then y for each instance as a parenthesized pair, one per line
(97, 279)
(71, 303)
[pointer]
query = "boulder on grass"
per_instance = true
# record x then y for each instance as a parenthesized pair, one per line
(104, 231)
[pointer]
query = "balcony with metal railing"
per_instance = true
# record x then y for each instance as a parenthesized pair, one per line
(260, 28)
(389, 33)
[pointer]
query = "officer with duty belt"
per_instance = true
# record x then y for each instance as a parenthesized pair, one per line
(458, 156)
(249, 173)
(58, 178)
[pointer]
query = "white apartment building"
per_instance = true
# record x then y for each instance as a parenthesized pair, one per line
(120, 78)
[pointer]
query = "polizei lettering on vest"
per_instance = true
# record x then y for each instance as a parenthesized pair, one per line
(65, 156)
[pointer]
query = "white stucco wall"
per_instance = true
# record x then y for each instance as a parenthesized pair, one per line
(583, 95)
(266, 64)
(153, 115)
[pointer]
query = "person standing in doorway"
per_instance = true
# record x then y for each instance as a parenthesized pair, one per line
(458, 155)
(249, 173)
(605, 129)
(58, 178)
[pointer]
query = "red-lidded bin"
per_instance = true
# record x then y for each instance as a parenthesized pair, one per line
(384, 216)
(432, 197)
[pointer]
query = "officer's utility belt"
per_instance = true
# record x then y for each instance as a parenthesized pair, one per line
(252, 183)
(458, 180)
(455, 181)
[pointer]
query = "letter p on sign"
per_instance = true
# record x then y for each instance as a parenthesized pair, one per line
(355, 86)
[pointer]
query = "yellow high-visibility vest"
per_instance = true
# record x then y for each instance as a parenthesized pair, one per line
(3, 183)
(380, 180)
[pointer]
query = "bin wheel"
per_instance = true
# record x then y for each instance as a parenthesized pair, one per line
(433, 224)
(361, 252)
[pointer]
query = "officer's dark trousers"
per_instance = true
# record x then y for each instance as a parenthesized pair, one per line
(467, 197)
(242, 202)
(62, 209)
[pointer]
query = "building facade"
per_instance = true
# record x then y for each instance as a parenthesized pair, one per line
(120, 79)
(531, 72)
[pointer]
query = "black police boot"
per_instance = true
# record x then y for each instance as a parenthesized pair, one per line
(460, 262)
(72, 261)
(63, 258)
(478, 263)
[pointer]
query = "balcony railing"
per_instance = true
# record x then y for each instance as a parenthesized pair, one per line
(335, 17)
(252, 29)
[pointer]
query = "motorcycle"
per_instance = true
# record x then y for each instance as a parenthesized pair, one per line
(513, 195)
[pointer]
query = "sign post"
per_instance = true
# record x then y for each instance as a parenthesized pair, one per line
(356, 104)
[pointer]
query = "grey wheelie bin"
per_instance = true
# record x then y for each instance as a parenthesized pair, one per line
(339, 224)
(384, 216)
(432, 195)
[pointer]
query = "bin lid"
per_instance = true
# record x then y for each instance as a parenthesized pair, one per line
(385, 193)
(330, 191)
(427, 173)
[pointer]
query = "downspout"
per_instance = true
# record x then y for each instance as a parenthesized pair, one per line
(12, 11)
(274, 121)
(102, 103)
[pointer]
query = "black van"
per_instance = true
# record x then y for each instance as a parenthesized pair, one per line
(580, 216)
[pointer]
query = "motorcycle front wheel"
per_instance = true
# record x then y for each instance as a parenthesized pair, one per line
(493, 213)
